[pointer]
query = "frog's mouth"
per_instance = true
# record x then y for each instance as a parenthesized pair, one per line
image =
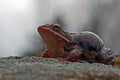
(55, 42)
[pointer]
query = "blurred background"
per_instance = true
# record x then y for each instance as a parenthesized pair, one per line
(19, 20)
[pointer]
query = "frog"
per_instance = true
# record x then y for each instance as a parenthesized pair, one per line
(83, 46)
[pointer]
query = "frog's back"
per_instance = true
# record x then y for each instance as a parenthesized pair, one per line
(89, 40)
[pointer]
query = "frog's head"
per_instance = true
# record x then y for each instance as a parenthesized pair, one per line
(52, 27)
(53, 32)
(53, 36)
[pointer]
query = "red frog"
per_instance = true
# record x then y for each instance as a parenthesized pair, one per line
(85, 46)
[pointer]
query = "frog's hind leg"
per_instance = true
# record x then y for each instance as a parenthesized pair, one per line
(73, 56)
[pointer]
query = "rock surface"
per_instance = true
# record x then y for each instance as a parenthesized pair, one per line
(36, 68)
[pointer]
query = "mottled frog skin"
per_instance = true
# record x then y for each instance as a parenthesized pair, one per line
(84, 46)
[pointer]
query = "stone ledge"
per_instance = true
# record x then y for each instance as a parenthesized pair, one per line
(36, 68)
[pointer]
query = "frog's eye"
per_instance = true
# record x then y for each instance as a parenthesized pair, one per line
(56, 27)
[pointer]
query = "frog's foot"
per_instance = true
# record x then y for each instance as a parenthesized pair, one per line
(61, 59)
(76, 60)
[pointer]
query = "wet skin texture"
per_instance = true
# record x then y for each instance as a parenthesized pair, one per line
(85, 46)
